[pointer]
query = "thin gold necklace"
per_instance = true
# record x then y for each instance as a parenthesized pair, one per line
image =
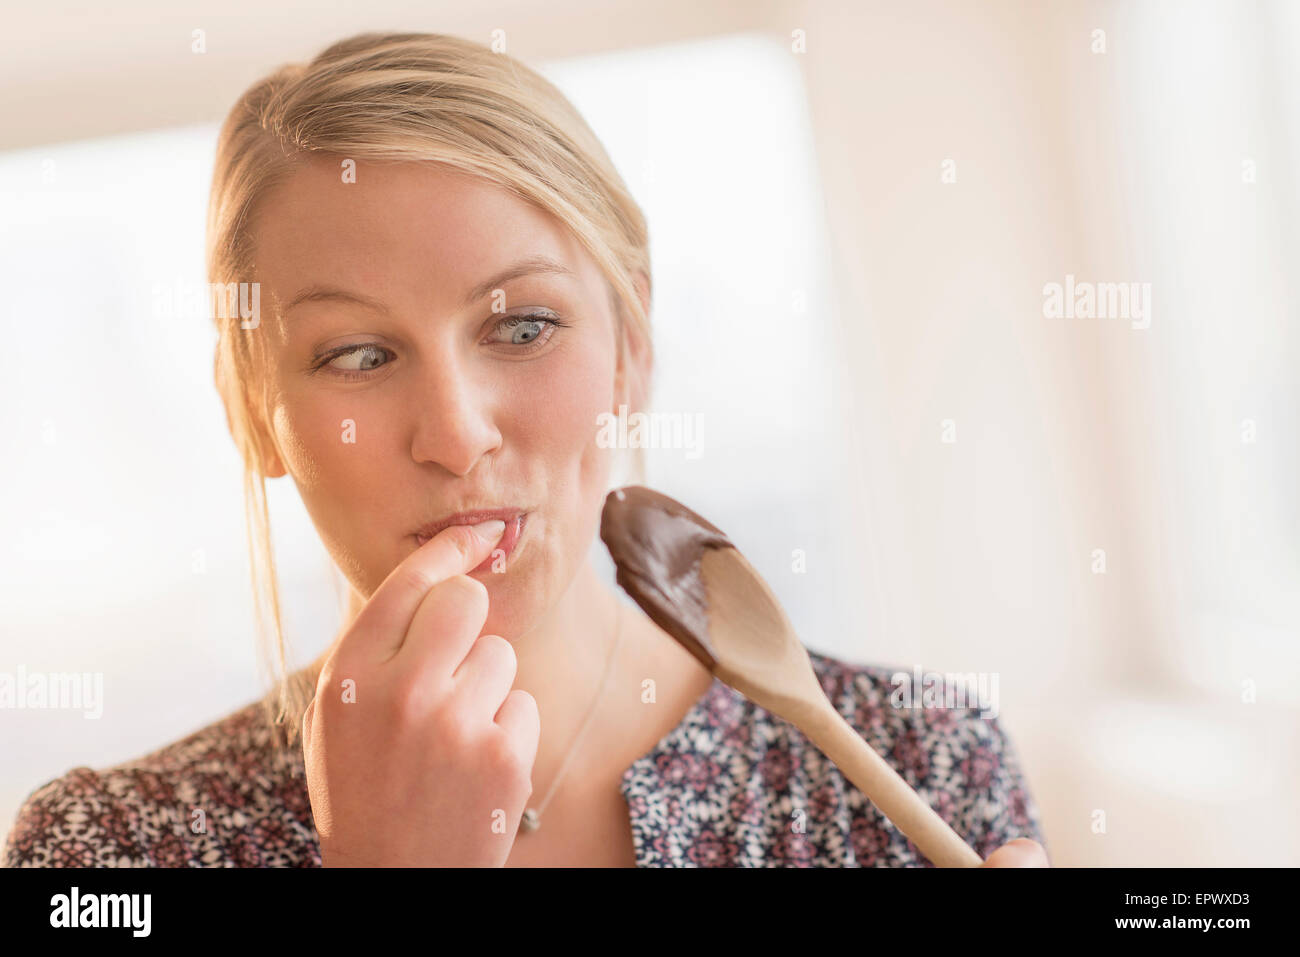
(532, 818)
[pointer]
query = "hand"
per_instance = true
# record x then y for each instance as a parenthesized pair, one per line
(431, 764)
(1022, 852)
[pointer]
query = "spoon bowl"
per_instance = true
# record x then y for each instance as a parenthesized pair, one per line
(696, 585)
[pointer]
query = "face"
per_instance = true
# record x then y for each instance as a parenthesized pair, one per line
(423, 364)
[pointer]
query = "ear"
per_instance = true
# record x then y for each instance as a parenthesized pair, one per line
(632, 386)
(270, 457)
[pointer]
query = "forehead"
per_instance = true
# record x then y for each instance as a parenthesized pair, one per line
(417, 235)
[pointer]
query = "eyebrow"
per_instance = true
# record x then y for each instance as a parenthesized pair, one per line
(524, 267)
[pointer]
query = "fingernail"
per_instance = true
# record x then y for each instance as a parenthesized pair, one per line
(490, 531)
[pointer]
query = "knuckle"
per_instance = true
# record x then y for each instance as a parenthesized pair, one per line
(506, 759)
(461, 540)
(399, 708)
(408, 702)
(416, 579)
(459, 734)
(452, 727)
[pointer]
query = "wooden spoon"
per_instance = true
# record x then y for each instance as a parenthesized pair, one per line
(696, 585)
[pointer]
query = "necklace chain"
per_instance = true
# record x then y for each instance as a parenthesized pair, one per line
(532, 817)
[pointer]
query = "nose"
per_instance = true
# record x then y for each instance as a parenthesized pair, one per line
(454, 420)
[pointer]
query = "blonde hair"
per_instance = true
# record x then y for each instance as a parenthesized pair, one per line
(397, 97)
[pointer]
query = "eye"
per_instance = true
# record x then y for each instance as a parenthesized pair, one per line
(526, 332)
(358, 360)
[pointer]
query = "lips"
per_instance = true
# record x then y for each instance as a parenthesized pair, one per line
(515, 521)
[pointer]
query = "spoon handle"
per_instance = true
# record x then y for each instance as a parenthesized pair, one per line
(870, 773)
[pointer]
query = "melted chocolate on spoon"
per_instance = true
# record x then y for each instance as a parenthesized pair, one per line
(656, 543)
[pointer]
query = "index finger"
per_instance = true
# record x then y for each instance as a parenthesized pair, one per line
(381, 625)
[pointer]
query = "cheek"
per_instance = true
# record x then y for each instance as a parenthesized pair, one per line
(326, 442)
(319, 442)
(561, 419)
(557, 439)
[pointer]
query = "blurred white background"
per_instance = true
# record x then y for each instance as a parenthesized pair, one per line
(824, 299)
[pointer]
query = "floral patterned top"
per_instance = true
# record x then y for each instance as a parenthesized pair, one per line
(731, 786)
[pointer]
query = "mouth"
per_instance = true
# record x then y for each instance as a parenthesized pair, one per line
(514, 518)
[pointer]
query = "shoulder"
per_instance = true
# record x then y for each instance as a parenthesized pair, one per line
(941, 732)
(229, 794)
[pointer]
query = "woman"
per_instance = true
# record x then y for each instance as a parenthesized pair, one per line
(459, 286)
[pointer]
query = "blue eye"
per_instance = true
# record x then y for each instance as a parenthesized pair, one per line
(527, 331)
(524, 330)
(366, 353)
